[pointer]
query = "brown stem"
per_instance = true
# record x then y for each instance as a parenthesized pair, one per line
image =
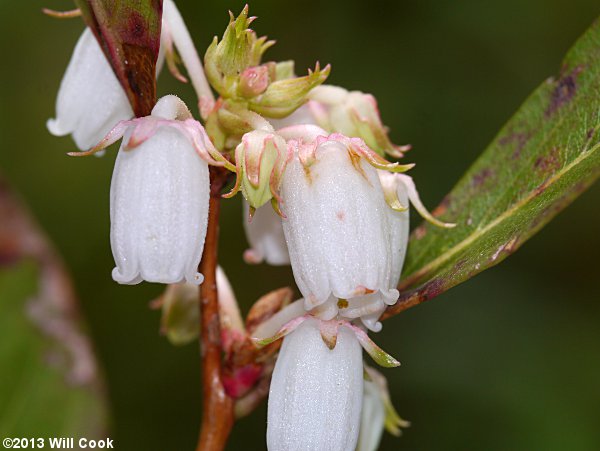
(409, 297)
(217, 407)
(407, 300)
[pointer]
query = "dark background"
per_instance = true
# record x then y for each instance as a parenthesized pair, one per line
(509, 360)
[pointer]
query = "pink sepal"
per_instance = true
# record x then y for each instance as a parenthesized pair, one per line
(144, 128)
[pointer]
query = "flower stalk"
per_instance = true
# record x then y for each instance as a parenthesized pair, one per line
(217, 406)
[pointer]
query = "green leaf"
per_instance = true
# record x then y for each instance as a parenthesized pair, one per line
(49, 381)
(47, 388)
(544, 157)
(129, 33)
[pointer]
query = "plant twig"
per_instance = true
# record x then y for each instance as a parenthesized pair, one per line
(217, 406)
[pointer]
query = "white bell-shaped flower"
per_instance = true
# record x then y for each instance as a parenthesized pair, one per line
(303, 115)
(353, 113)
(263, 227)
(372, 418)
(316, 392)
(90, 99)
(159, 195)
(378, 412)
(346, 244)
(265, 236)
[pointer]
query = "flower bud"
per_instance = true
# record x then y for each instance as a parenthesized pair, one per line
(180, 313)
(253, 81)
(316, 392)
(284, 96)
(354, 113)
(260, 158)
(239, 49)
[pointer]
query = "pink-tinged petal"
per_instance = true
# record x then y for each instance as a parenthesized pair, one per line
(206, 105)
(230, 316)
(367, 112)
(413, 195)
(230, 337)
(112, 136)
(254, 148)
(329, 332)
(143, 130)
(241, 380)
(253, 81)
(286, 329)
(307, 152)
(202, 143)
(253, 257)
(263, 156)
(358, 145)
(283, 158)
(381, 357)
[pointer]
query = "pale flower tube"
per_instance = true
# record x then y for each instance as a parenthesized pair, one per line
(265, 236)
(372, 418)
(264, 231)
(90, 100)
(346, 243)
(159, 198)
(316, 392)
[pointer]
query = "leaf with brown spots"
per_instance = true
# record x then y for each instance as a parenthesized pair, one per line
(50, 384)
(129, 34)
(545, 156)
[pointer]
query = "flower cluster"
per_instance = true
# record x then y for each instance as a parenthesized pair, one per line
(319, 194)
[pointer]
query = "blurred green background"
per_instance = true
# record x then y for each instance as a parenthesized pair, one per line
(508, 361)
